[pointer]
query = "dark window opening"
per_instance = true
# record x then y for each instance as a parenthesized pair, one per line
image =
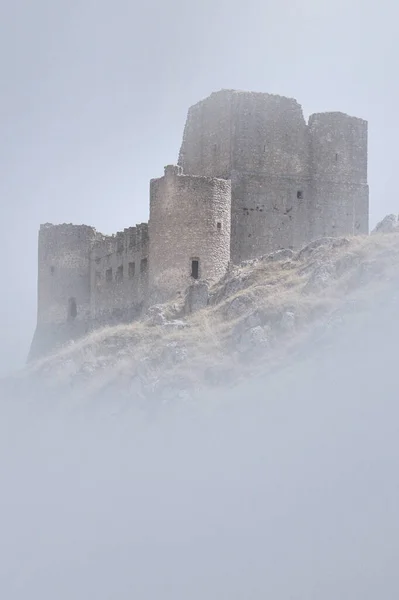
(108, 275)
(195, 268)
(144, 265)
(336, 157)
(52, 269)
(299, 195)
(119, 274)
(72, 308)
(219, 226)
(132, 270)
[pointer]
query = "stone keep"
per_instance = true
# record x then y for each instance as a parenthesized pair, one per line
(291, 182)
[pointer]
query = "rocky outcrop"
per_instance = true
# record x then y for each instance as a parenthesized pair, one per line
(389, 224)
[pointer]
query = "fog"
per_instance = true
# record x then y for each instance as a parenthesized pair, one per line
(94, 96)
(284, 487)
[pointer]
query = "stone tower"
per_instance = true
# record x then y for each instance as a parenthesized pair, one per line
(280, 187)
(189, 231)
(338, 168)
(63, 284)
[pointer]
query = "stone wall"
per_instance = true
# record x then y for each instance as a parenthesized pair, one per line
(189, 221)
(206, 145)
(268, 214)
(119, 275)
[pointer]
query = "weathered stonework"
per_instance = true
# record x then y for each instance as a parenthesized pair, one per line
(291, 182)
(253, 177)
(189, 221)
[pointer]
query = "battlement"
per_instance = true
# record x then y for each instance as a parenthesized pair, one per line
(122, 241)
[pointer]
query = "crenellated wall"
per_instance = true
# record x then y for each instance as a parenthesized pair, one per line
(119, 274)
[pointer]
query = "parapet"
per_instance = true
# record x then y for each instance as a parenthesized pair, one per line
(174, 170)
(333, 117)
(131, 239)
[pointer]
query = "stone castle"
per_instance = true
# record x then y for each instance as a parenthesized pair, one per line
(252, 177)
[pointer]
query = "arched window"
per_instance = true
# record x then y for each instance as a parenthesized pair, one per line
(72, 308)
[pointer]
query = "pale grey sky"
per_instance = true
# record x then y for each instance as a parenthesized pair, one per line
(94, 97)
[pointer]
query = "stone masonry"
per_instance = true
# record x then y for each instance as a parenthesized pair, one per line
(252, 177)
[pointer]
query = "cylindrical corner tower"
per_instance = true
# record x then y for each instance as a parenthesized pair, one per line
(189, 231)
(63, 305)
(64, 273)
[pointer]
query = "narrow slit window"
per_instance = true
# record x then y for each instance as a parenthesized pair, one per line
(299, 195)
(219, 226)
(132, 270)
(195, 268)
(108, 275)
(72, 308)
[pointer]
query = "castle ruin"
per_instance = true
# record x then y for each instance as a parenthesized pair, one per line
(252, 177)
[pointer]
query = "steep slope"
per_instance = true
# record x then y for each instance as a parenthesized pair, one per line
(264, 315)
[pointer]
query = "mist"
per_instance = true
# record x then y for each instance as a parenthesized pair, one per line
(284, 486)
(94, 98)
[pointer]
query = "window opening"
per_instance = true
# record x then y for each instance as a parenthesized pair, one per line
(219, 226)
(72, 308)
(132, 270)
(119, 274)
(108, 275)
(52, 269)
(195, 268)
(299, 195)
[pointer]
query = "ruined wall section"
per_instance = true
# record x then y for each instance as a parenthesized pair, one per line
(338, 167)
(270, 175)
(189, 221)
(206, 145)
(63, 305)
(268, 135)
(119, 275)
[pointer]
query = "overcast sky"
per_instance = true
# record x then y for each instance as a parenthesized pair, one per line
(94, 96)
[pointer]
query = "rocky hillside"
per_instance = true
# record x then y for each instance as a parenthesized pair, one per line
(264, 315)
